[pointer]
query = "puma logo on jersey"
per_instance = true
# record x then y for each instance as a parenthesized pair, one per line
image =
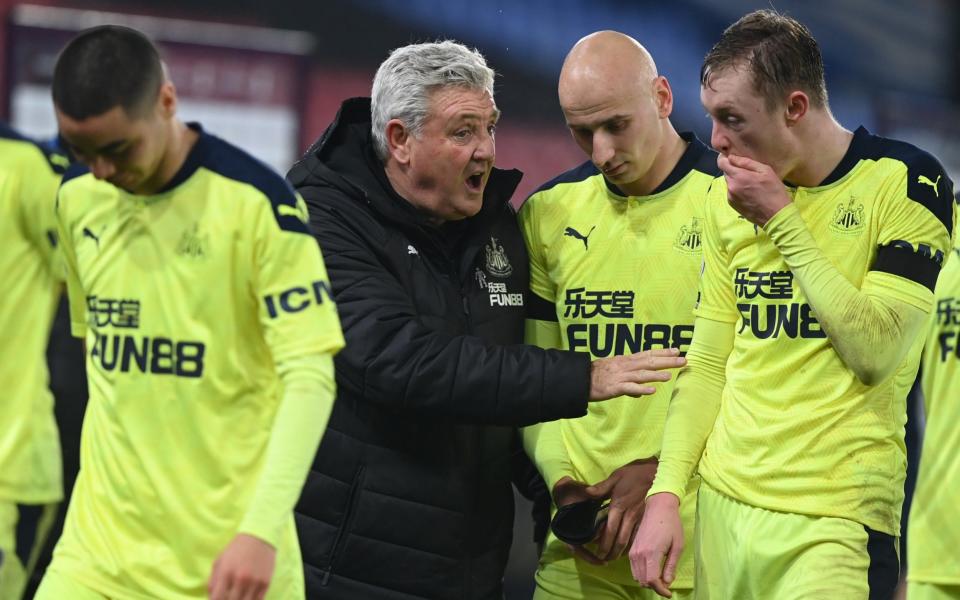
(570, 231)
(89, 234)
(926, 181)
(299, 211)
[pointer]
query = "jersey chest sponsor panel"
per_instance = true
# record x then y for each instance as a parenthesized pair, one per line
(175, 296)
(622, 276)
(934, 530)
(797, 430)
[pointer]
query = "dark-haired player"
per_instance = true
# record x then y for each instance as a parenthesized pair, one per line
(209, 329)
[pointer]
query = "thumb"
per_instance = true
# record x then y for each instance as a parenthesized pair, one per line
(602, 489)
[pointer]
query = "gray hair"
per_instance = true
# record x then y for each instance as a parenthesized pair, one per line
(404, 82)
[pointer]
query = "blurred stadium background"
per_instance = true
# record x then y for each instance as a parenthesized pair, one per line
(269, 76)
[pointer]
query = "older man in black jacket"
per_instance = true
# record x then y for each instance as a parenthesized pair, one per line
(409, 496)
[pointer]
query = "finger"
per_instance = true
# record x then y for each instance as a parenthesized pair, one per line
(659, 363)
(661, 352)
(628, 525)
(220, 589)
(645, 376)
(219, 585)
(746, 163)
(661, 588)
(635, 390)
(261, 592)
(213, 583)
(673, 558)
(608, 534)
(255, 591)
(602, 490)
(234, 587)
(723, 163)
(248, 590)
(654, 361)
(728, 168)
(637, 565)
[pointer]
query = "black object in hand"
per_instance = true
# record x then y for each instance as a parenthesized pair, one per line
(578, 523)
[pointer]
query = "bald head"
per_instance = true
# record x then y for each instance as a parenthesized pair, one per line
(604, 63)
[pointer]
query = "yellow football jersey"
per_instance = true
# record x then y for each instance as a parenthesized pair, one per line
(617, 274)
(30, 469)
(797, 431)
(934, 531)
(186, 298)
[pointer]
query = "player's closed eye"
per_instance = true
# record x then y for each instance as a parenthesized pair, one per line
(616, 126)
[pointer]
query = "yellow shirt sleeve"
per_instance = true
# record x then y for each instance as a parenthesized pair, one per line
(308, 394)
(871, 328)
(695, 401)
(302, 330)
(694, 406)
(297, 312)
(715, 299)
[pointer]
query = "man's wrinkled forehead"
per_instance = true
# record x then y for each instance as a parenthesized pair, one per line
(455, 101)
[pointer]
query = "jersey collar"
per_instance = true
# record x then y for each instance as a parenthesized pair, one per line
(193, 161)
(688, 160)
(857, 150)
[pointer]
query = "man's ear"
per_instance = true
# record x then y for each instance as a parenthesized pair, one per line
(398, 141)
(664, 96)
(167, 100)
(797, 105)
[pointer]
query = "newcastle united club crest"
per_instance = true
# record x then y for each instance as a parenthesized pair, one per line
(690, 237)
(848, 218)
(497, 263)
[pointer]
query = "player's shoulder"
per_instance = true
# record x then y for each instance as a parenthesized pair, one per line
(926, 182)
(694, 172)
(223, 158)
(876, 147)
(77, 182)
(576, 175)
(35, 152)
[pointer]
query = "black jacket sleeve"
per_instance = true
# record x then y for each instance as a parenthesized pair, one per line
(394, 360)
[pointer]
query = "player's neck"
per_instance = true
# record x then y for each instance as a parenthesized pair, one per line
(668, 155)
(181, 141)
(823, 145)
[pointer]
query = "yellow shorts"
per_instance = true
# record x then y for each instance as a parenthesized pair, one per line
(23, 531)
(567, 580)
(747, 552)
(560, 576)
(920, 590)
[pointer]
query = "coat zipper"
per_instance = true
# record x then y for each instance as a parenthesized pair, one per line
(351, 508)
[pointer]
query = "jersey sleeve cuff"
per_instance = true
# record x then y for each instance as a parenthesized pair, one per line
(678, 491)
